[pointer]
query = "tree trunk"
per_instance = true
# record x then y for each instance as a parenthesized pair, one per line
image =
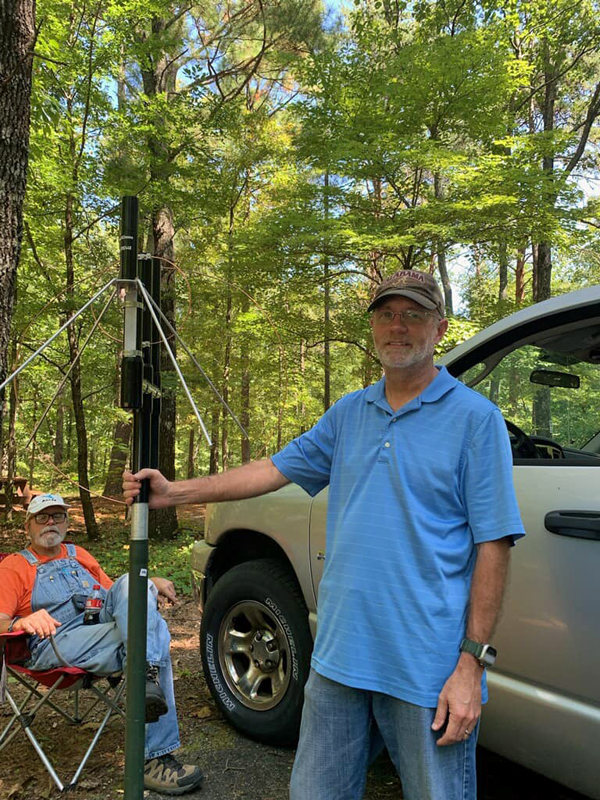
(369, 375)
(59, 433)
(69, 436)
(542, 273)
(11, 443)
(302, 409)
(33, 444)
(542, 276)
(75, 380)
(165, 519)
(213, 466)
(441, 254)
(245, 387)
(503, 272)
(445, 280)
(520, 276)
(17, 36)
(190, 459)
(225, 386)
(494, 389)
(370, 365)
(514, 391)
(280, 404)
(118, 458)
(542, 413)
(375, 255)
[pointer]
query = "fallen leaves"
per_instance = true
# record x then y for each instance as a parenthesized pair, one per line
(202, 713)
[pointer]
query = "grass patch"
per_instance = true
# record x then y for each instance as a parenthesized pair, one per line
(170, 559)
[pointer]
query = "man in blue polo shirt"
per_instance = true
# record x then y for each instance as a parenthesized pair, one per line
(421, 517)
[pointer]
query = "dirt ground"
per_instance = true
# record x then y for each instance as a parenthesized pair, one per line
(234, 766)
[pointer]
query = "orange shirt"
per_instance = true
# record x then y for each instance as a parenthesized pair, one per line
(17, 577)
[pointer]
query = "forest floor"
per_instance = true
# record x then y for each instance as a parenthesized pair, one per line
(235, 767)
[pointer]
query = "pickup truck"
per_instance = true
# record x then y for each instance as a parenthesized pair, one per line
(256, 573)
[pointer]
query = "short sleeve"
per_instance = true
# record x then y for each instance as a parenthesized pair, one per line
(12, 590)
(487, 482)
(307, 459)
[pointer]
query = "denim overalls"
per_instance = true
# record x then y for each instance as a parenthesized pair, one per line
(61, 587)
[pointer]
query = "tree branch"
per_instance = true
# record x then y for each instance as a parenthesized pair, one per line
(43, 355)
(90, 70)
(592, 113)
(35, 254)
(556, 77)
(98, 391)
(97, 219)
(360, 346)
(176, 17)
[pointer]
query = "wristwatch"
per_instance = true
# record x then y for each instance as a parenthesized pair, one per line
(484, 653)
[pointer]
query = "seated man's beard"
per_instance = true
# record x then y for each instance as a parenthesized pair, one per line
(52, 535)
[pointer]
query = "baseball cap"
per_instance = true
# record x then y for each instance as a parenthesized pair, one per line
(418, 286)
(43, 501)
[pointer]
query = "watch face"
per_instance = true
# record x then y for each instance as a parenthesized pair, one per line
(489, 657)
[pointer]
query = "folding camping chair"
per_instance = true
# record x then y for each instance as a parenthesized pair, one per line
(46, 686)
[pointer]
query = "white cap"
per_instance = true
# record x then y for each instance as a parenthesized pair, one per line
(43, 501)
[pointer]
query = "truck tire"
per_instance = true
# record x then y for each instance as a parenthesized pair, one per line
(255, 643)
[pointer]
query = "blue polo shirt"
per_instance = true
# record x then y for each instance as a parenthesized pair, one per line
(411, 493)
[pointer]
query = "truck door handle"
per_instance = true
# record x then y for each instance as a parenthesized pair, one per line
(578, 524)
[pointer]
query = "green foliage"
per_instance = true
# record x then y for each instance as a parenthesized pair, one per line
(292, 156)
(459, 330)
(165, 559)
(569, 416)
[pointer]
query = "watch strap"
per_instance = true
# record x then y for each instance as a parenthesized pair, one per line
(469, 646)
(484, 653)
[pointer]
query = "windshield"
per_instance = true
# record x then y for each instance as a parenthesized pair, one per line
(569, 416)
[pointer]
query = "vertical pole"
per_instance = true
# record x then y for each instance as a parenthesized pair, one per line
(148, 400)
(132, 399)
(155, 352)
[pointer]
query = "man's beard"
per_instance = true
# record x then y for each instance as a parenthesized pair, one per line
(407, 357)
(51, 536)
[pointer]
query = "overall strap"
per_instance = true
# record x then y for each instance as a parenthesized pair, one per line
(27, 554)
(71, 551)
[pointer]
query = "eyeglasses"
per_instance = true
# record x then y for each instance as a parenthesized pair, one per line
(42, 518)
(409, 316)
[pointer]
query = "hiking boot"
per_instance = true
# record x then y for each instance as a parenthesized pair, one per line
(166, 775)
(156, 704)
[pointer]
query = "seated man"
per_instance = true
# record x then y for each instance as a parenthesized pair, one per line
(43, 591)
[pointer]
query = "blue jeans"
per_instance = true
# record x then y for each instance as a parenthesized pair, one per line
(338, 738)
(101, 649)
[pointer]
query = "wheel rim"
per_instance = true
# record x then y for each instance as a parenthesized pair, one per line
(254, 655)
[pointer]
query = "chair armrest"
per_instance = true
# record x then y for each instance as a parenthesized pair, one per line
(15, 647)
